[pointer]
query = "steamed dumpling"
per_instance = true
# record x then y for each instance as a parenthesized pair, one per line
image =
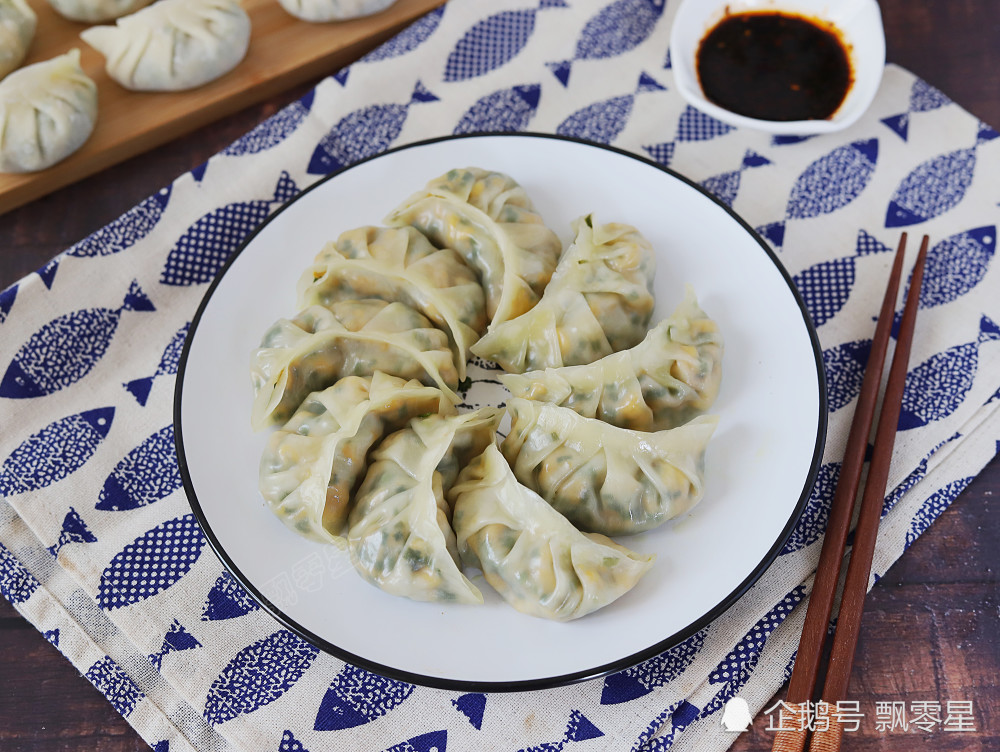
(47, 112)
(599, 301)
(352, 338)
(400, 534)
(312, 465)
(320, 11)
(96, 11)
(174, 44)
(664, 381)
(606, 479)
(17, 29)
(489, 219)
(538, 562)
(400, 264)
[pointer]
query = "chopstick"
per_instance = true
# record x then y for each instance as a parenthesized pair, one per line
(803, 680)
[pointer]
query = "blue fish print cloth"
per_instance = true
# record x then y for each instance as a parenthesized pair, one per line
(98, 545)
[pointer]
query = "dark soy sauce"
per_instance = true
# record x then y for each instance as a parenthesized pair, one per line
(775, 66)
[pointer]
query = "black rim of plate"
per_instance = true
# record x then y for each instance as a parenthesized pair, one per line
(594, 672)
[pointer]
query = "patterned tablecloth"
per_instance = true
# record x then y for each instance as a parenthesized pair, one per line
(98, 545)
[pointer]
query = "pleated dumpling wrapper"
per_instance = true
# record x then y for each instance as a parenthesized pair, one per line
(96, 11)
(321, 11)
(490, 220)
(400, 264)
(352, 338)
(538, 562)
(400, 535)
(173, 45)
(314, 463)
(17, 28)
(606, 479)
(599, 301)
(663, 382)
(47, 112)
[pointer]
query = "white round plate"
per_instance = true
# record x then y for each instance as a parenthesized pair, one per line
(860, 21)
(760, 464)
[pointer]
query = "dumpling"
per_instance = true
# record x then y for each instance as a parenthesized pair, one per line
(320, 11)
(352, 338)
(401, 264)
(606, 479)
(400, 534)
(174, 44)
(538, 562)
(96, 11)
(17, 29)
(489, 219)
(599, 301)
(311, 467)
(663, 382)
(47, 112)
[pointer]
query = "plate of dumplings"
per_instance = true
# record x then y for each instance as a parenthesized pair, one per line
(500, 412)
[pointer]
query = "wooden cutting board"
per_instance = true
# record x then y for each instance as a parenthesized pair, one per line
(284, 52)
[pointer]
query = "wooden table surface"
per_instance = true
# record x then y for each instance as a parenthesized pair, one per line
(931, 630)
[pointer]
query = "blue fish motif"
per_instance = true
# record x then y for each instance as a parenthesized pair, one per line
(956, 265)
(936, 387)
(915, 476)
(145, 475)
(16, 582)
(736, 668)
(693, 125)
(473, 707)
(845, 369)
(74, 530)
(680, 715)
(356, 697)
(935, 186)
(432, 741)
(127, 230)
(290, 744)
(7, 301)
(61, 448)
(198, 173)
(506, 110)
(48, 273)
(64, 350)
(204, 247)
(786, 140)
(830, 183)
(923, 98)
(274, 130)
(140, 388)
(933, 507)
(642, 679)
(151, 563)
(52, 636)
(617, 28)
(177, 638)
(227, 600)
(825, 287)
(115, 685)
(408, 39)
(493, 41)
(726, 185)
(579, 729)
(258, 675)
(363, 133)
(604, 120)
(162, 746)
(813, 521)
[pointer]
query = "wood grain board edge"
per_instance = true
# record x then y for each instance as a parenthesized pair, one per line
(283, 52)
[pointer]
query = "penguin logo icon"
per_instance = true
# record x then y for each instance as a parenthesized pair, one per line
(736, 717)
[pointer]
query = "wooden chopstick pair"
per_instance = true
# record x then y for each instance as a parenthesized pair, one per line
(826, 736)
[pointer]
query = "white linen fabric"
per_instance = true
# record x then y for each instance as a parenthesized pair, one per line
(98, 545)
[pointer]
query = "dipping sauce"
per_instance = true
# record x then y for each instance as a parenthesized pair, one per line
(772, 65)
